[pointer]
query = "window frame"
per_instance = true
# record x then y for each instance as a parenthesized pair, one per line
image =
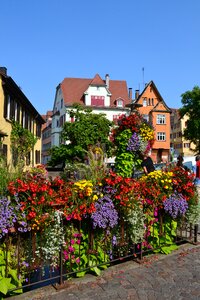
(161, 119)
(161, 136)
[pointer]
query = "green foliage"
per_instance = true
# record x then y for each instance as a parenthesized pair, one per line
(86, 258)
(191, 108)
(22, 142)
(65, 153)
(7, 174)
(135, 223)
(124, 164)
(94, 169)
(162, 237)
(122, 139)
(193, 213)
(87, 129)
(9, 278)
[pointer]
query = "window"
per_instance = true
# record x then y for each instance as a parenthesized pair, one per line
(161, 119)
(186, 145)
(26, 120)
(145, 102)
(179, 134)
(146, 117)
(23, 119)
(38, 130)
(61, 103)
(17, 112)
(161, 136)
(120, 103)
(28, 158)
(37, 156)
(12, 109)
(62, 120)
(97, 100)
(6, 106)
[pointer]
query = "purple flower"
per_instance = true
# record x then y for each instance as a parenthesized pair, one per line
(134, 143)
(176, 205)
(105, 215)
(11, 216)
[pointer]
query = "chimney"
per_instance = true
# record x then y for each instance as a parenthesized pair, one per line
(130, 94)
(107, 80)
(3, 70)
(136, 94)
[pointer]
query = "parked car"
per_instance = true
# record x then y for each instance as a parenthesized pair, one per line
(159, 166)
(188, 166)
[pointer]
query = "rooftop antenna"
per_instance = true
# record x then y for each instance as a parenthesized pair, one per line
(143, 76)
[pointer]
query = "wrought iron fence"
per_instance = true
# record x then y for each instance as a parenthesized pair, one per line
(84, 249)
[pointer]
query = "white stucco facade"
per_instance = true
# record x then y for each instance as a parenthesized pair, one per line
(91, 95)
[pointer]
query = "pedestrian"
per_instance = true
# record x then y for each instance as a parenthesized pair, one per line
(180, 161)
(197, 174)
(147, 164)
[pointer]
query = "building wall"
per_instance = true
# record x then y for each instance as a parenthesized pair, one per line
(97, 91)
(151, 108)
(5, 126)
(46, 137)
(178, 143)
(60, 114)
(6, 123)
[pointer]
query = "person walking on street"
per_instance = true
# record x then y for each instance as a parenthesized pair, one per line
(147, 164)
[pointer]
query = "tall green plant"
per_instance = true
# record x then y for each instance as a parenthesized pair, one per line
(22, 142)
(8, 173)
(94, 169)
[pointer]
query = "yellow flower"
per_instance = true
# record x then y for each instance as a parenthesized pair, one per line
(94, 198)
(88, 191)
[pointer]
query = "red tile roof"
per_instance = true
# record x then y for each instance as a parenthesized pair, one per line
(73, 89)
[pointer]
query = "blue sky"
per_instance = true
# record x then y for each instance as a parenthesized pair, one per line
(44, 41)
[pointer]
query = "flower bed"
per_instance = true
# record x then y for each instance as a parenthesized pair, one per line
(85, 225)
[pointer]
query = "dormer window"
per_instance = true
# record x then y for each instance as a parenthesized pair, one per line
(120, 103)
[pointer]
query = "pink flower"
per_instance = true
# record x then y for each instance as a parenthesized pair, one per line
(72, 242)
(78, 242)
(71, 249)
(78, 260)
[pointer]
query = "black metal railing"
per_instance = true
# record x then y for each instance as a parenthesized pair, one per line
(84, 250)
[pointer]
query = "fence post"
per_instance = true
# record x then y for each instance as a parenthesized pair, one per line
(195, 233)
(61, 265)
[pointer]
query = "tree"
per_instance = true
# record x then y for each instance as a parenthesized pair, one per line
(88, 129)
(191, 108)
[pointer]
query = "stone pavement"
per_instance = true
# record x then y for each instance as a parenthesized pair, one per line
(175, 276)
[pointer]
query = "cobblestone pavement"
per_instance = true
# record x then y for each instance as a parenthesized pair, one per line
(175, 276)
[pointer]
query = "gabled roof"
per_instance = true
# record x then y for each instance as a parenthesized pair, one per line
(10, 85)
(73, 89)
(97, 81)
(152, 84)
(156, 108)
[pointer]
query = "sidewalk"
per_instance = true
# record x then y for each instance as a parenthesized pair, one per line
(175, 276)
